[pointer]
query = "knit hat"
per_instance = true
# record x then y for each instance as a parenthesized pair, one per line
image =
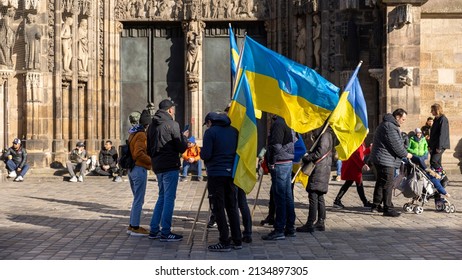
(418, 130)
(145, 118)
(192, 140)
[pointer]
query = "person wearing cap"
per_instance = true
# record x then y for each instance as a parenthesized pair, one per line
(192, 157)
(16, 161)
(418, 147)
(218, 153)
(165, 145)
(138, 175)
(78, 161)
(427, 127)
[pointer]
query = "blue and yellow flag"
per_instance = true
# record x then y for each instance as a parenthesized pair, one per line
(243, 119)
(283, 87)
(349, 119)
(234, 55)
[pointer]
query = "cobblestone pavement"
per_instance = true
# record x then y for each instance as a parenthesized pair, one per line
(54, 220)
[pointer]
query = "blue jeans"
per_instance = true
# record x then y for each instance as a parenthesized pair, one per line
(283, 197)
(138, 177)
(339, 167)
(186, 166)
(163, 211)
(11, 166)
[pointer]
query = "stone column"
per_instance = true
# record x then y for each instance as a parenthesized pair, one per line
(33, 90)
(5, 76)
(402, 58)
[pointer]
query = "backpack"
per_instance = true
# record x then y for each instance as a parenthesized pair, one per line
(126, 160)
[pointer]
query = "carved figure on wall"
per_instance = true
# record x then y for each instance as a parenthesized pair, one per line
(405, 76)
(301, 41)
(151, 9)
(193, 40)
(7, 38)
(66, 40)
(139, 6)
(31, 4)
(228, 7)
(243, 8)
(206, 9)
(32, 37)
(10, 3)
(260, 9)
(317, 41)
(131, 7)
(177, 9)
(164, 9)
(215, 4)
(83, 46)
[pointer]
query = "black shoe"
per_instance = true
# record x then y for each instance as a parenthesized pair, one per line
(290, 233)
(267, 220)
(211, 224)
(319, 226)
(376, 209)
(368, 204)
(247, 239)
(305, 228)
(338, 204)
(391, 213)
(274, 235)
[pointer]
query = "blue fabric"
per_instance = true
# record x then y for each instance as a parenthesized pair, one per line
(339, 167)
(187, 165)
(11, 166)
(299, 149)
(163, 211)
(138, 178)
(283, 196)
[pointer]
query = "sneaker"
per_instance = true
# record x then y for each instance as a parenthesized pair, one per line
(391, 213)
(80, 178)
(338, 204)
(118, 179)
(274, 235)
(220, 247)
(211, 224)
(290, 233)
(171, 237)
(19, 179)
(247, 239)
(154, 235)
(140, 231)
(73, 179)
(12, 174)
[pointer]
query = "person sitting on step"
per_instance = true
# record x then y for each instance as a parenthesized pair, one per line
(192, 157)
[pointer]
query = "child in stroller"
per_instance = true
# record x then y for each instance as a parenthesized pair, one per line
(439, 180)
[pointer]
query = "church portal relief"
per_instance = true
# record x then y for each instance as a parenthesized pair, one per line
(7, 38)
(66, 41)
(32, 39)
(83, 47)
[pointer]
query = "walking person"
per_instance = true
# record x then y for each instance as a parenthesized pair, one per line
(165, 145)
(218, 153)
(439, 137)
(318, 181)
(138, 175)
(386, 154)
(280, 154)
(352, 171)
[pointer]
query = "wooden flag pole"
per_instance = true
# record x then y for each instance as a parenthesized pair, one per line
(197, 215)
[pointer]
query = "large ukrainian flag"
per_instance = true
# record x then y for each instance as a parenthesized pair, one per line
(283, 87)
(349, 119)
(242, 117)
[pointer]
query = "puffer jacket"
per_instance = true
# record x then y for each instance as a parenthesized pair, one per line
(418, 146)
(388, 148)
(219, 146)
(108, 157)
(19, 157)
(319, 179)
(166, 143)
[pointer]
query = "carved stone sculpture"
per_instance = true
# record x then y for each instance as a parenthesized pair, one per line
(405, 76)
(31, 4)
(301, 41)
(7, 38)
(83, 47)
(66, 40)
(317, 41)
(32, 37)
(194, 40)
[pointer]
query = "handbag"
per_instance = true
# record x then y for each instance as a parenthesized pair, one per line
(307, 168)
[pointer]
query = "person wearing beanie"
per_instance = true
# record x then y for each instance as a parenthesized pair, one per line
(138, 175)
(418, 147)
(16, 161)
(165, 143)
(191, 157)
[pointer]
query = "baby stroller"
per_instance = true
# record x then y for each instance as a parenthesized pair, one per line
(417, 185)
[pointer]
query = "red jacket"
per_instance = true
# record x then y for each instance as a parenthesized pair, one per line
(352, 168)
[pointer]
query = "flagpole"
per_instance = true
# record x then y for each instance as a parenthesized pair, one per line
(238, 76)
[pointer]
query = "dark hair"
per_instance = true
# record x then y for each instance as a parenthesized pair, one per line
(437, 108)
(399, 112)
(109, 141)
(429, 118)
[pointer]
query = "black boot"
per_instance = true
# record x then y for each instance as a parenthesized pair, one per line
(308, 227)
(338, 199)
(268, 220)
(319, 226)
(362, 196)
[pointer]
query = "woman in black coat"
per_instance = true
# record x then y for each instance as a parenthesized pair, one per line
(439, 137)
(318, 181)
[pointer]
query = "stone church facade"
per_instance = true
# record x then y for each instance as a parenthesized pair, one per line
(73, 70)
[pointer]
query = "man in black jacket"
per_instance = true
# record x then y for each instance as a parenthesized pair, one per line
(386, 154)
(165, 144)
(15, 160)
(108, 161)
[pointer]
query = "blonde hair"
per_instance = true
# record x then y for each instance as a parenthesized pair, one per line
(437, 108)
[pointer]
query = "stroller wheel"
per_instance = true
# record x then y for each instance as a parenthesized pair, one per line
(452, 209)
(408, 207)
(439, 207)
(418, 210)
(447, 209)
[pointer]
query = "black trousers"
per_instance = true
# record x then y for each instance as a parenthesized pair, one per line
(317, 206)
(223, 195)
(384, 186)
(435, 159)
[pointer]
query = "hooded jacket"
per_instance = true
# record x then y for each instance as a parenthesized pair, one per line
(165, 143)
(219, 146)
(388, 148)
